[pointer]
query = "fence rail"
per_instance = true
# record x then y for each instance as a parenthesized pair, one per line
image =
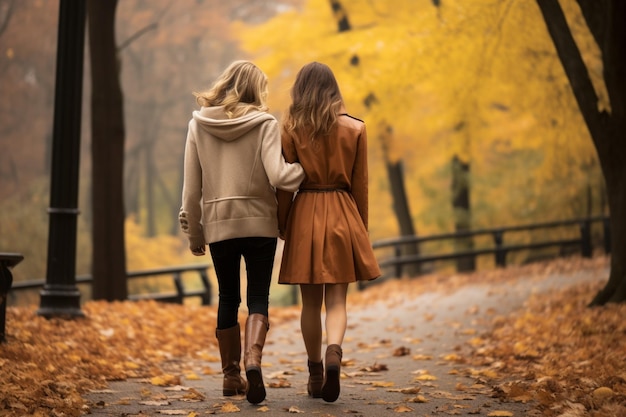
(205, 293)
(499, 249)
(395, 263)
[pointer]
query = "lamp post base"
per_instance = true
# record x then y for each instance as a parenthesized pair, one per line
(60, 301)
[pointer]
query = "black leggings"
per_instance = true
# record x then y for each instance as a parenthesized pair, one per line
(258, 253)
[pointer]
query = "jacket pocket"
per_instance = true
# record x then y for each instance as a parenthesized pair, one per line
(235, 208)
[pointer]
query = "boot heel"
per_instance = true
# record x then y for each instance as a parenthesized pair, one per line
(332, 385)
(256, 331)
(256, 388)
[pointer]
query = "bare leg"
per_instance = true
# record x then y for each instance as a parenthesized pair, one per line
(336, 321)
(336, 316)
(311, 321)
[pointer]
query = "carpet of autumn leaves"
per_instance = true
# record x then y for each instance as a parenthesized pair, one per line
(570, 360)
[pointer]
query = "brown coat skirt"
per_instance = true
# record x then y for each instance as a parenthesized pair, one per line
(326, 241)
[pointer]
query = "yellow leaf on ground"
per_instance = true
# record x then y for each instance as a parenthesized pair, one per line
(402, 409)
(165, 379)
(229, 408)
(426, 377)
(418, 399)
(421, 357)
(295, 410)
(383, 384)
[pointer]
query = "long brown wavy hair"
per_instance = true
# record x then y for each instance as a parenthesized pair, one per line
(315, 102)
(240, 88)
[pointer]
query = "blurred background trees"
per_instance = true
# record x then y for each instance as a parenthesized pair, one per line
(445, 87)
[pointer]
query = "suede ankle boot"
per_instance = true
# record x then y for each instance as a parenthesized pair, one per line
(229, 341)
(331, 387)
(316, 379)
(257, 326)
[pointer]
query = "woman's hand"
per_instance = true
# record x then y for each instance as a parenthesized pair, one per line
(199, 251)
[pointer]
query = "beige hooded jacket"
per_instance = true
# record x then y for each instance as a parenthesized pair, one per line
(231, 170)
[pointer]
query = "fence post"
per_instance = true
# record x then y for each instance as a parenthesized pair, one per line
(180, 290)
(500, 252)
(7, 261)
(208, 293)
(398, 253)
(585, 238)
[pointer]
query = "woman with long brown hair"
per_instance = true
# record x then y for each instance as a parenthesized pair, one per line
(327, 245)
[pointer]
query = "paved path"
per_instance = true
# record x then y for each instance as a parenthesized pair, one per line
(428, 328)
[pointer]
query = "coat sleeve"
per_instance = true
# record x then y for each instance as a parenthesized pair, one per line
(285, 198)
(190, 215)
(360, 177)
(282, 175)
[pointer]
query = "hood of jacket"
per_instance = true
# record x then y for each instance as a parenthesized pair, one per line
(216, 122)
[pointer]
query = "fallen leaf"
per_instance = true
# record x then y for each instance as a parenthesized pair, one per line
(402, 409)
(383, 384)
(163, 380)
(421, 357)
(229, 408)
(425, 377)
(402, 351)
(375, 368)
(279, 384)
(418, 399)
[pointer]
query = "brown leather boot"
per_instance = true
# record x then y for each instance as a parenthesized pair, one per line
(331, 387)
(316, 379)
(256, 330)
(229, 341)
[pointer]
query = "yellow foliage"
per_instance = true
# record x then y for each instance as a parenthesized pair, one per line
(159, 251)
(480, 80)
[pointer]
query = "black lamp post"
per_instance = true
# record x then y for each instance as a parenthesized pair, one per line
(60, 295)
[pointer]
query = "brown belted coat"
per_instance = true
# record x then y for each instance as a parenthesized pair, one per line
(325, 226)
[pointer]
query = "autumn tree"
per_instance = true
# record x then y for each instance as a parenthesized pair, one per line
(605, 19)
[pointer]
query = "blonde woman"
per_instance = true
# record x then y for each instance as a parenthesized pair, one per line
(233, 164)
(325, 227)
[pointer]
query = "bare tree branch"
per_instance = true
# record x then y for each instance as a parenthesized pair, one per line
(137, 35)
(6, 11)
(144, 30)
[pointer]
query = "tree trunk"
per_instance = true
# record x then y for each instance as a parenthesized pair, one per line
(108, 135)
(462, 214)
(151, 230)
(395, 173)
(605, 19)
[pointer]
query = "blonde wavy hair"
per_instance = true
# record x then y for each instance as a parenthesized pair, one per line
(240, 88)
(316, 102)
